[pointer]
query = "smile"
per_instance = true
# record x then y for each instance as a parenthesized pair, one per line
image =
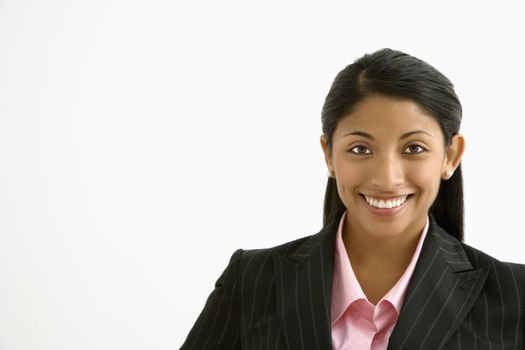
(386, 203)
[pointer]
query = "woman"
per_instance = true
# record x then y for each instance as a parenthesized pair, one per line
(389, 269)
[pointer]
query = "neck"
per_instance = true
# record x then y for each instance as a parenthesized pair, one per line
(372, 252)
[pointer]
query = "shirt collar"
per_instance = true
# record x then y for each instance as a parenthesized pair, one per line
(346, 288)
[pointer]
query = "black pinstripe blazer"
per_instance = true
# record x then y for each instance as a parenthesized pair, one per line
(280, 298)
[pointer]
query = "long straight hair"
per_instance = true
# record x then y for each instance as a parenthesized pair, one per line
(395, 73)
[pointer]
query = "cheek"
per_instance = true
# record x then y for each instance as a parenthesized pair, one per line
(348, 177)
(348, 174)
(427, 178)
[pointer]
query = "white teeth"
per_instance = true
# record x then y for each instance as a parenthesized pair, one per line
(379, 203)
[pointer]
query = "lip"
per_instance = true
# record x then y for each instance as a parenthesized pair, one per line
(387, 198)
(385, 211)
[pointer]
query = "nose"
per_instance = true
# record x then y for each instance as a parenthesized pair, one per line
(387, 174)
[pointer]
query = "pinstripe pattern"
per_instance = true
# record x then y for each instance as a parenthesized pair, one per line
(516, 289)
(280, 298)
(312, 301)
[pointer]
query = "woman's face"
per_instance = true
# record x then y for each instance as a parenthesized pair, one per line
(391, 151)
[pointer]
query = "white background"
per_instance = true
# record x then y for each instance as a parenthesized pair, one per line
(142, 142)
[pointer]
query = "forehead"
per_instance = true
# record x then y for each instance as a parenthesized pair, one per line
(382, 115)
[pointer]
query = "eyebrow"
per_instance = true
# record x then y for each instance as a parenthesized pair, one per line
(403, 136)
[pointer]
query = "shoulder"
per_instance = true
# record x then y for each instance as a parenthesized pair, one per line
(291, 249)
(255, 261)
(499, 298)
(474, 258)
(253, 265)
(503, 283)
(479, 258)
(250, 256)
(504, 278)
(243, 258)
(250, 272)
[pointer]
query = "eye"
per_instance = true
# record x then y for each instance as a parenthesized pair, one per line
(415, 149)
(360, 149)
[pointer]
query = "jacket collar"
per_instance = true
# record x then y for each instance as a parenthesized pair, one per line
(443, 288)
(440, 294)
(303, 281)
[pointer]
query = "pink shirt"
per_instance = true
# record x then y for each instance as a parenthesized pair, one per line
(357, 323)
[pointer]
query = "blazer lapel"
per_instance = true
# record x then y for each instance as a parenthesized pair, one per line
(303, 281)
(440, 294)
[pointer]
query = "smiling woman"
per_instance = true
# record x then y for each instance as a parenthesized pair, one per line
(388, 157)
(388, 149)
(389, 269)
